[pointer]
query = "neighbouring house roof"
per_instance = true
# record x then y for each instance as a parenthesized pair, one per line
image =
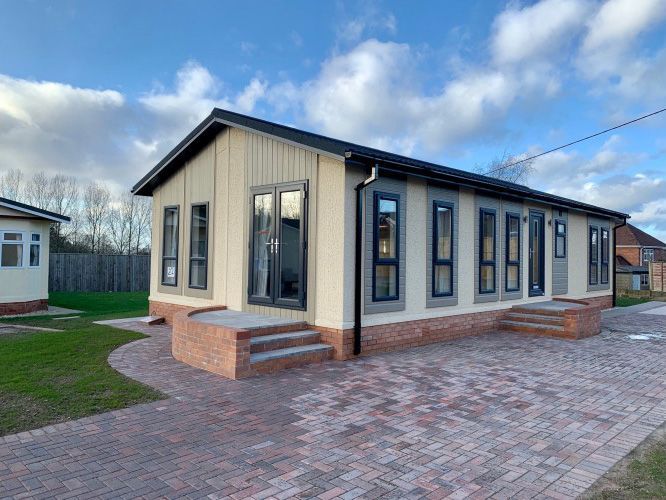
(34, 212)
(621, 261)
(630, 235)
(219, 119)
(632, 269)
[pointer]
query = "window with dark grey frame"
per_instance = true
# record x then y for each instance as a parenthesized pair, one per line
(386, 248)
(594, 256)
(560, 239)
(512, 252)
(199, 246)
(487, 251)
(605, 248)
(170, 246)
(442, 249)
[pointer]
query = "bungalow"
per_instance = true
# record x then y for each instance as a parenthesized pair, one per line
(24, 256)
(323, 248)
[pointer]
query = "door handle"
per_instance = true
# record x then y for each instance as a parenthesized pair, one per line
(272, 249)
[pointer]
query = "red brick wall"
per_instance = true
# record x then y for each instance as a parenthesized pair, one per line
(605, 302)
(406, 334)
(218, 349)
(166, 310)
(633, 255)
(11, 308)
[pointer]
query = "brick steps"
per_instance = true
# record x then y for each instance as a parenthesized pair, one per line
(542, 319)
(274, 329)
(523, 326)
(290, 357)
(263, 343)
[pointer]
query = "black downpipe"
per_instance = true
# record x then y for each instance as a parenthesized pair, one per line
(358, 265)
(624, 223)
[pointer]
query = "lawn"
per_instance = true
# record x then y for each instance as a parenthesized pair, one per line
(642, 474)
(50, 377)
(630, 301)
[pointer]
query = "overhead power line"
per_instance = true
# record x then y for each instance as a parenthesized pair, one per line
(577, 141)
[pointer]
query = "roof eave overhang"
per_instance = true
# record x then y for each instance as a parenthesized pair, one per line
(428, 173)
(35, 213)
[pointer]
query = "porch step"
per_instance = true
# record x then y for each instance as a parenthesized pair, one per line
(296, 326)
(542, 319)
(557, 313)
(539, 328)
(263, 343)
(279, 359)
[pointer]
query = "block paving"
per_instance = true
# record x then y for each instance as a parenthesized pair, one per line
(501, 415)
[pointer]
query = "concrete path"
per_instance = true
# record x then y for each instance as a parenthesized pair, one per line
(499, 415)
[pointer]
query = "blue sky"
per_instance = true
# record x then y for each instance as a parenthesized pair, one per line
(102, 90)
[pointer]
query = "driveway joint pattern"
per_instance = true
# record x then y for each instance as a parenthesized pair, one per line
(501, 415)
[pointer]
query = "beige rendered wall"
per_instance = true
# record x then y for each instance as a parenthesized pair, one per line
(26, 283)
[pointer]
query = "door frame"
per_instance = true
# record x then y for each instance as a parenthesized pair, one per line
(534, 292)
(273, 300)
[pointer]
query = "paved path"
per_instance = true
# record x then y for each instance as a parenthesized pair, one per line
(502, 415)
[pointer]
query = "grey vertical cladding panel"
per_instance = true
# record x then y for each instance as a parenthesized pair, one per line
(447, 196)
(480, 202)
(605, 224)
(560, 264)
(393, 186)
(272, 162)
(510, 207)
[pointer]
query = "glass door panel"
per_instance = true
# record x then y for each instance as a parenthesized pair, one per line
(290, 246)
(537, 254)
(262, 247)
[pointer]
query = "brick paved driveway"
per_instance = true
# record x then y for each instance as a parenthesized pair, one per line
(501, 414)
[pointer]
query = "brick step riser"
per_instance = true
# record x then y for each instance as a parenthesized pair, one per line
(538, 312)
(284, 343)
(527, 318)
(270, 330)
(276, 365)
(535, 331)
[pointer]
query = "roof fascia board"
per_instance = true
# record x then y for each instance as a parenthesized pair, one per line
(494, 188)
(35, 213)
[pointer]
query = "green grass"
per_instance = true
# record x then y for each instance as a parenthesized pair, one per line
(50, 377)
(630, 301)
(642, 475)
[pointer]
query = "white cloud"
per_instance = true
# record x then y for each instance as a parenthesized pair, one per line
(610, 54)
(537, 31)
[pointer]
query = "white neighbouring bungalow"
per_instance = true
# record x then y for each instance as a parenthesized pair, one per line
(24, 256)
(375, 251)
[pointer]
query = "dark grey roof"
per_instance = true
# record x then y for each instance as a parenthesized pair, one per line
(219, 118)
(34, 211)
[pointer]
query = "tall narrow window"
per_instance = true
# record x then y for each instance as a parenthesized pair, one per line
(604, 255)
(512, 252)
(35, 249)
(487, 253)
(386, 248)
(11, 249)
(199, 246)
(560, 239)
(170, 247)
(442, 249)
(594, 256)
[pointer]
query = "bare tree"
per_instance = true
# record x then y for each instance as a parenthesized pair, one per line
(38, 191)
(122, 224)
(11, 185)
(143, 222)
(96, 199)
(64, 194)
(508, 167)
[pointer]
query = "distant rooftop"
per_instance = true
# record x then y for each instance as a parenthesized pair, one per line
(630, 235)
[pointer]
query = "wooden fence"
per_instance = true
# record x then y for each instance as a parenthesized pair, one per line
(658, 276)
(73, 272)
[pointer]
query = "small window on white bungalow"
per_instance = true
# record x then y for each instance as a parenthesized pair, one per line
(170, 247)
(11, 249)
(35, 249)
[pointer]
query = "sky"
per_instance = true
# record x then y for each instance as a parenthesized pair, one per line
(103, 90)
